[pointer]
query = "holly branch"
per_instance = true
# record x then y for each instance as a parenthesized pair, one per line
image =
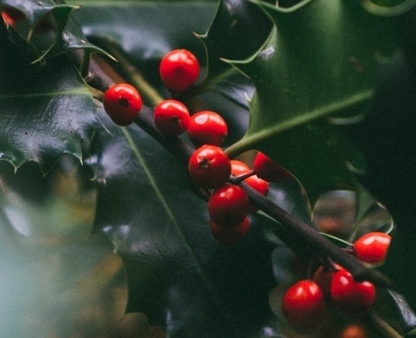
(289, 228)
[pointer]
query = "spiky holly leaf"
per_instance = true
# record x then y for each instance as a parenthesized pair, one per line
(315, 65)
(178, 274)
(46, 109)
(239, 41)
(142, 32)
(46, 27)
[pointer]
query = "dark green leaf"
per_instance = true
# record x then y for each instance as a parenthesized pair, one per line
(140, 33)
(231, 34)
(389, 7)
(47, 28)
(145, 31)
(394, 309)
(178, 274)
(313, 66)
(47, 114)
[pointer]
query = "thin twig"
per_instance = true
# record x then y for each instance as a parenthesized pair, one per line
(314, 240)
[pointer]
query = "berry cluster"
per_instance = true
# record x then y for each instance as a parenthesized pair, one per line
(228, 204)
(304, 303)
(209, 166)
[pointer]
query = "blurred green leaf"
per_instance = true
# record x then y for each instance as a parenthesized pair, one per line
(394, 309)
(388, 7)
(47, 253)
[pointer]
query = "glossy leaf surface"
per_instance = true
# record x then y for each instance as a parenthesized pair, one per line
(315, 69)
(298, 82)
(47, 114)
(178, 274)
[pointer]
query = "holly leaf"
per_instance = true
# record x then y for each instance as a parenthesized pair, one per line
(239, 40)
(48, 114)
(47, 27)
(314, 66)
(178, 274)
(142, 32)
(128, 32)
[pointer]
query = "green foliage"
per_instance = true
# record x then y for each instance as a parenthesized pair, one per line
(199, 281)
(283, 77)
(46, 115)
(298, 83)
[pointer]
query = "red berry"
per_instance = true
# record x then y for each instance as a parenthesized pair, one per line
(179, 70)
(269, 170)
(171, 117)
(230, 236)
(372, 247)
(11, 16)
(353, 331)
(240, 168)
(353, 298)
(209, 167)
(303, 305)
(228, 205)
(122, 102)
(207, 127)
(323, 277)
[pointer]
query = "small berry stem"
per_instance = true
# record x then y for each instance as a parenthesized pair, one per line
(241, 178)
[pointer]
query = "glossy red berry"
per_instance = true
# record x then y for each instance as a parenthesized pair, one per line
(122, 102)
(179, 69)
(171, 117)
(323, 277)
(262, 186)
(351, 297)
(207, 127)
(303, 305)
(372, 247)
(209, 167)
(228, 205)
(268, 169)
(230, 236)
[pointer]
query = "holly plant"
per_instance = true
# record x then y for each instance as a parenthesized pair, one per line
(227, 168)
